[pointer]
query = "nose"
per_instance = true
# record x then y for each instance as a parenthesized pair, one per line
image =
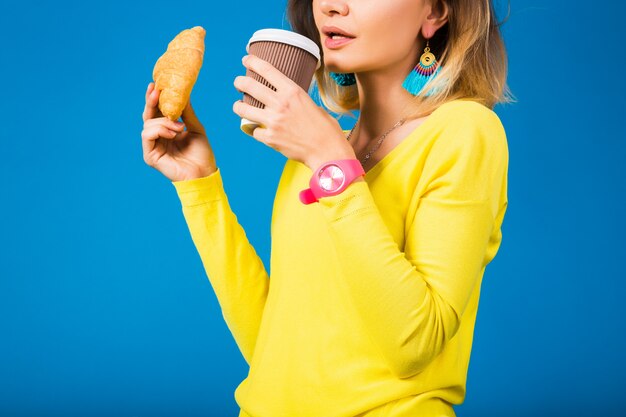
(329, 7)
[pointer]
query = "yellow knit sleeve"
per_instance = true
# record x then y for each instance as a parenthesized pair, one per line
(412, 301)
(233, 267)
(462, 192)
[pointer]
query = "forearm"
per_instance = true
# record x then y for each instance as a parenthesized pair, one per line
(410, 314)
(233, 267)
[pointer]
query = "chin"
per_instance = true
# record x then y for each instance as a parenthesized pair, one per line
(334, 67)
(339, 63)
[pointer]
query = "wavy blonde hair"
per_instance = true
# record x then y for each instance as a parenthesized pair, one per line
(469, 48)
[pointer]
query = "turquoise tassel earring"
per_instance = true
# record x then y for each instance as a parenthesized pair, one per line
(426, 68)
(343, 79)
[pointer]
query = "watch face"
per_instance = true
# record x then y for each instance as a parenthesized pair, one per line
(331, 178)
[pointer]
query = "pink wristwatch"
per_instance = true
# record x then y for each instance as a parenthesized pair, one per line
(331, 178)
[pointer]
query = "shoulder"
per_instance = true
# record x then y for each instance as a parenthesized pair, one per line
(469, 125)
(469, 114)
(467, 157)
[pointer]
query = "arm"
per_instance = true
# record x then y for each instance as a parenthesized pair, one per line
(412, 302)
(235, 271)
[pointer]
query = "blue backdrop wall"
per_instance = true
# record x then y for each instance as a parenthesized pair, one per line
(105, 308)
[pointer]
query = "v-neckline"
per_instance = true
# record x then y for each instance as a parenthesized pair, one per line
(378, 166)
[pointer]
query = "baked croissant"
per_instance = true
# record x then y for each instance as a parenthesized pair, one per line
(176, 71)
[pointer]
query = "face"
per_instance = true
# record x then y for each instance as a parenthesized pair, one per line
(385, 32)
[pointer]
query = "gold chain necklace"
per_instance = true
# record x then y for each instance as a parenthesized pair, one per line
(371, 151)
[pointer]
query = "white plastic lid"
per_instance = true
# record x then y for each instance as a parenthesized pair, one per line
(288, 37)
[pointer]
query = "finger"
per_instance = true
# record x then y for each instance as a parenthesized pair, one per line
(256, 89)
(266, 70)
(151, 109)
(181, 135)
(150, 135)
(149, 90)
(260, 134)
(191, 120)
(154, 132)
(247, 111)
(164, 121)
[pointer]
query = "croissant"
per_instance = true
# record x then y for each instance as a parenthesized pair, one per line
(176, 71)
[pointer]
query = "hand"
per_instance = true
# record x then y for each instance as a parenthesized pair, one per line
(177, 153)
(291, 122)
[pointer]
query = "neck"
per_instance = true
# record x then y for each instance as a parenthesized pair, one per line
(382, 99)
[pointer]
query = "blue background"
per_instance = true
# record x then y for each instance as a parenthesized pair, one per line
(105, 308)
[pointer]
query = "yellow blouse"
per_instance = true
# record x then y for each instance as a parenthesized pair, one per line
(373, 295)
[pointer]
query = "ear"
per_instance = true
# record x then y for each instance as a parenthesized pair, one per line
(437, 17)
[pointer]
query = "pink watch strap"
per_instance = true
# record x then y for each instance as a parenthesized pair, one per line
(351, 169)
(307, 197)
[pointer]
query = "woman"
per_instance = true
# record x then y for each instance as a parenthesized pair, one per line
(375, 283)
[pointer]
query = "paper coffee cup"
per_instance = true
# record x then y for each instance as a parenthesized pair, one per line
(295, 55)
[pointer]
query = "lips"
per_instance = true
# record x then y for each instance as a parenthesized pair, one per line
(334, 31)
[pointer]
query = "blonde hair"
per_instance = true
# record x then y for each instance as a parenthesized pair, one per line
(469, 48)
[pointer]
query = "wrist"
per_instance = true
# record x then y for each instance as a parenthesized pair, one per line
(332, 178)
(317, 160)
(201, 173)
